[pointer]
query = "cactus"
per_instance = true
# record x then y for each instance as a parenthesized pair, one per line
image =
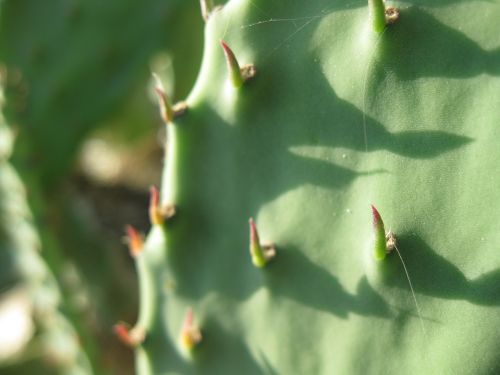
(345, 111)
(31, 307)
(71, 66)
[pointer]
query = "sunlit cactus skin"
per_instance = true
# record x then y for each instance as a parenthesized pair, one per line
(339, 117)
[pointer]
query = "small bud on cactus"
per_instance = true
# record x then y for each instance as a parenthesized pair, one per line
(379, 245)
(130, 337)
(261, 253)
(167, 111)
(159, 213)
(237, 75)
(190, 333)
(135, 242)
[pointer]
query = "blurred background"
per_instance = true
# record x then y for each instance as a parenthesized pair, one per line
(80, 145)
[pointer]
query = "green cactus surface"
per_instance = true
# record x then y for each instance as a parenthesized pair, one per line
(338, 117)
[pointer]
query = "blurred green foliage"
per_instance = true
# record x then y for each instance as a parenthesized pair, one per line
(72, 64)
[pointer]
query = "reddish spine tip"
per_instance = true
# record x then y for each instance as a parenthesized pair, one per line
(225, 46)
(190, 333)
(130, 337)
(261, 253)
(166, 110)
(376, 216)
(232, 66)
(230, 57)
(155, 196)
(379, 246)
(254, 235)
(188, 320)
(123, 333)
(160, 94)
(135, 242)
(159, 213)
(154, 207)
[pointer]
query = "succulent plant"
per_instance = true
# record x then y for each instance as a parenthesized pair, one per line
(330, 193)
(35, 333)
(72, 65)
(352, 104)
